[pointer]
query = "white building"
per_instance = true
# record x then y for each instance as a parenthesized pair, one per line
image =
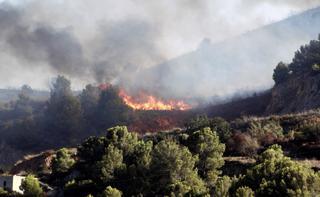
(11, 182)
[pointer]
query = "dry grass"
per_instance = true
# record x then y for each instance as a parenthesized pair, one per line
(313, 112)
(243, 160)
(314, 163)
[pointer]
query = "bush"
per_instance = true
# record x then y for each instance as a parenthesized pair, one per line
(205, 143)
(222, 186)
(197, 123)
(242, 144)
(111, 192)
(217, 124)
(3, 192)
(266, 132)
(244, 192)
(316, 67)
(173, 171)
(311, 131)
(63, 161)
(111, 163)
(277, 175)
(31, 187)
(222, 127)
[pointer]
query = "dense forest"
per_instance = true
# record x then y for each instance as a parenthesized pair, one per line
(193, 160)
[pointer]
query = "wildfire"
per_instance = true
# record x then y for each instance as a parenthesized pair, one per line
(144, 101)
(149, 102)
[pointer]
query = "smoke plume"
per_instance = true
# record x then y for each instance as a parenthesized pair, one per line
(129, 43)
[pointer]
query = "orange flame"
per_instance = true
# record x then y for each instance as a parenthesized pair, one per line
(149, 102)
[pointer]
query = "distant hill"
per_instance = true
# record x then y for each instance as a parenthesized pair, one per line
(296, 89)
(254, 105)
(7, 95)
(240, 64)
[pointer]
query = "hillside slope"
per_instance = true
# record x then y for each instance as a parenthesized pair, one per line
(243, 63)
(297, 94)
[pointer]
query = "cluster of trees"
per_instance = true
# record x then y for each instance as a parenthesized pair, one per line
(178, 163)
(64, 120)
(306, 60)
(186, 164)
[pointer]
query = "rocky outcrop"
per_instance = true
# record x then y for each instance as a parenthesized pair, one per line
(298, 93)
(34, 163)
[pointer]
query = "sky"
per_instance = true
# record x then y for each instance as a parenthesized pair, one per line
(93, 41)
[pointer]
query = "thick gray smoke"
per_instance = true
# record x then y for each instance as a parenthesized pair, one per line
(128, 42)
(45, 44)
(37, 46)
(117, 48)
(122, 47)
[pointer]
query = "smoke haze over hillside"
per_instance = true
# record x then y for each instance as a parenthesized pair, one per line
(112, 41)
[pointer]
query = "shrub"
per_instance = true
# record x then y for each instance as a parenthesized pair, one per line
(205, 143)
(31, 187)
(221, 126)
(267, 132)
(311, 131)
(277, 175)
(197, 123)
(111, 192)
(243, 144)
(222, 186)
(63, 161)
(244, 192)
(111, 163)
(3, 192)
(316, 67)
(173, 171)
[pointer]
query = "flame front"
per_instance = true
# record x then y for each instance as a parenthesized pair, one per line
(149, 102)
